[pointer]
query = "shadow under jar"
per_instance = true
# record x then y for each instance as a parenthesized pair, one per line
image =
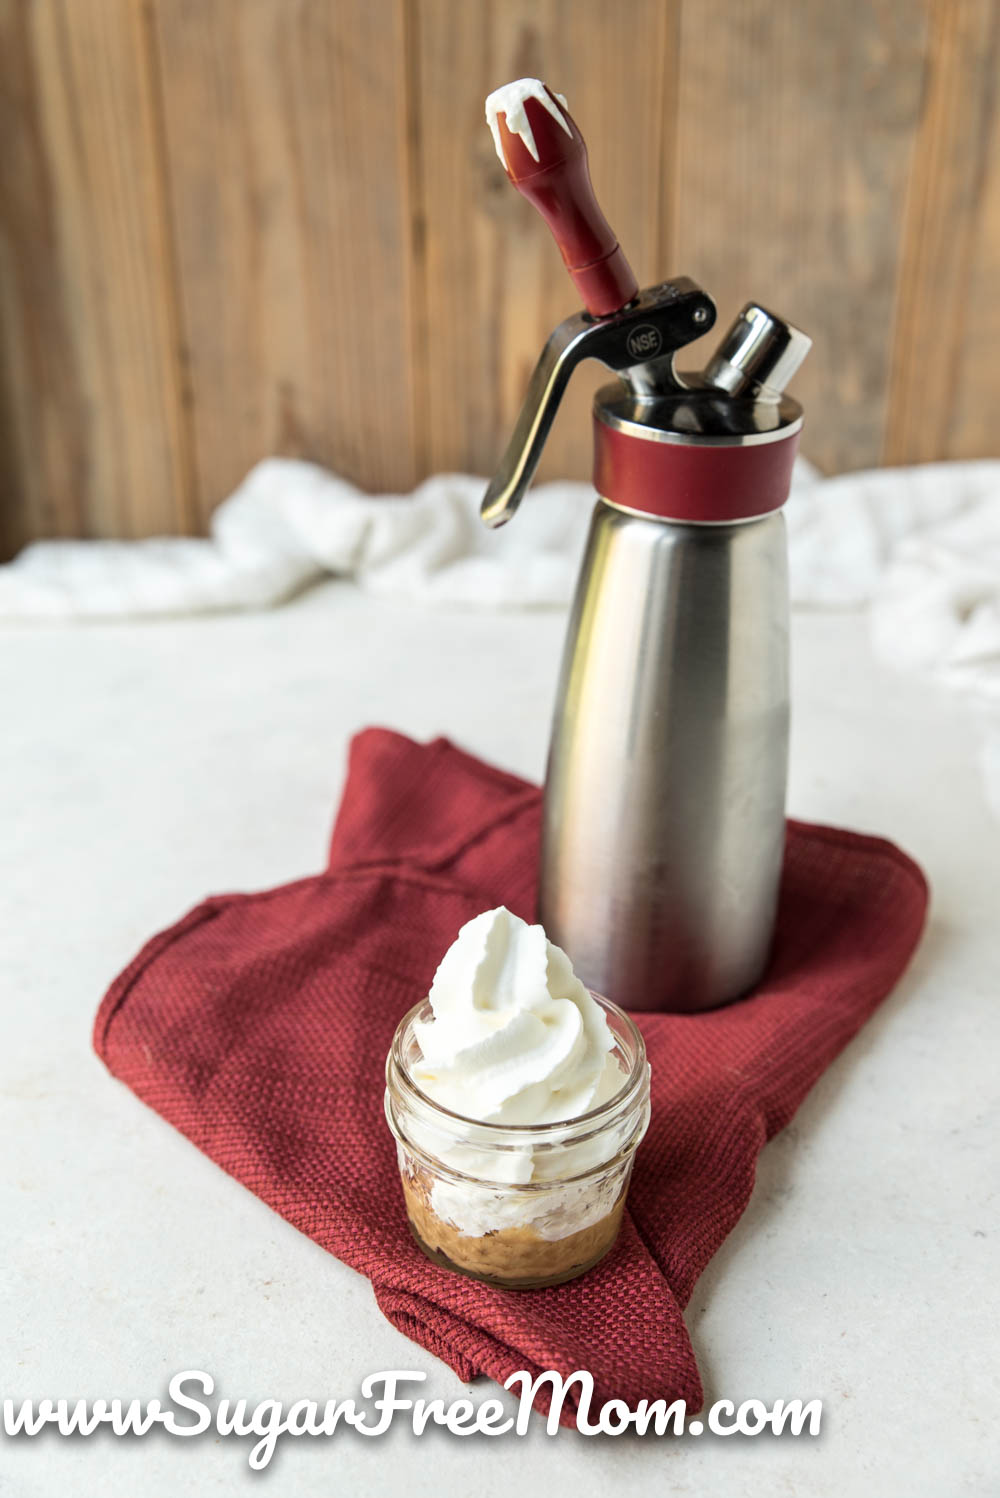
(524, 1205)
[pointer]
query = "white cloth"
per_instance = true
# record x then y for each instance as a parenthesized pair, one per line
(289, 523)
(920, 545)
(921, 541)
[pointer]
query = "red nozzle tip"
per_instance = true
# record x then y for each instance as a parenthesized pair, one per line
(545, 157)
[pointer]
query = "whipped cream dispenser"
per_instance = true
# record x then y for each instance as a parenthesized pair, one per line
(664, 808)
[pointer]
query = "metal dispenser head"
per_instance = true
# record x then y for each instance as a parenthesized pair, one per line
(636, 334)
(657, 322)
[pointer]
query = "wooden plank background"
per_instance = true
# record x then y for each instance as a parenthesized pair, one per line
(230, 228)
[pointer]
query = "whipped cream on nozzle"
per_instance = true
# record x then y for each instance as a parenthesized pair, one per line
(516, 1038)
(509, 101)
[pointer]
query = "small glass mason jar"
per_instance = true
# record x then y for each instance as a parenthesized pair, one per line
(524, 1205)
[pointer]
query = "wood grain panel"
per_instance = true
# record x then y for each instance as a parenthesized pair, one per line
(495, 284)
(42, 438)
(288, 173)
(236, 227)
(96, 441)
(796, 132)
(944, 387)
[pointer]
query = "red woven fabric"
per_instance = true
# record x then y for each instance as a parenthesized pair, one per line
(259, 1026)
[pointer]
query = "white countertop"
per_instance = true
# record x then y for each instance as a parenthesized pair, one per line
(145, 766)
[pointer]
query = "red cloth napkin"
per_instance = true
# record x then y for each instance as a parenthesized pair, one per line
(259, 1025)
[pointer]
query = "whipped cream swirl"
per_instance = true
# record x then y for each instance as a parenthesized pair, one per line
(516, 1038)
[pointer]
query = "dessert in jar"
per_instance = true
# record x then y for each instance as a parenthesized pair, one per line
(517, 1099)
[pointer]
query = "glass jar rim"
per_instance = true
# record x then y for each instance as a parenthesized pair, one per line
(441, 1167)
(637, 1077)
